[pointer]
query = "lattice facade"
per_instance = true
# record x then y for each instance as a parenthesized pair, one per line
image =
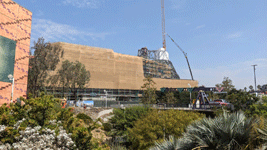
(15, 24)
(155, 66)
(112, 71)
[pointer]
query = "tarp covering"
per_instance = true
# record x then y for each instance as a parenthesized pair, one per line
(7, 58)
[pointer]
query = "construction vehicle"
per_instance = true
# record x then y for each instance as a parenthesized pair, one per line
(202, 102)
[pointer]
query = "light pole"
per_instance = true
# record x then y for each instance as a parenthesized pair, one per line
(190, 93)
(10, 76)
(255, 77)
(106, 98)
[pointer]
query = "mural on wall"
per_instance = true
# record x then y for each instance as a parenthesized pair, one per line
(7, 58)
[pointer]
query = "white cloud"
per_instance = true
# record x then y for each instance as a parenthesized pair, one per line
(55, 31)
(234, 35)
(201, 26)
(82, 3)
(241, 74)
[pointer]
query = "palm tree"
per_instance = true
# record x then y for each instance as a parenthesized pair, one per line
(225, 132)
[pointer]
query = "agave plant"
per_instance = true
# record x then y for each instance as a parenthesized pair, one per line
(167, 144)
(263, 136)
(225, 132)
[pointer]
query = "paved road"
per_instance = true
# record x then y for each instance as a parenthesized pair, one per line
(104, 112)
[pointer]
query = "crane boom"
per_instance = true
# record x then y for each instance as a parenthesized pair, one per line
(185, 55)
(163, 24)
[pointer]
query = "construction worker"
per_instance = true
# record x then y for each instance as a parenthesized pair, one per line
(64, 102)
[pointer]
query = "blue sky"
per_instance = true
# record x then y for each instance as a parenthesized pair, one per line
(221, 37)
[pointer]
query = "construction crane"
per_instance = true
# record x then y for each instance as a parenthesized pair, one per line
(185, 55)
(164, 36)
(163, 24)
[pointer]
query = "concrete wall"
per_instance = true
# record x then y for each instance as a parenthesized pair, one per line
(15, 24)
(110, 70)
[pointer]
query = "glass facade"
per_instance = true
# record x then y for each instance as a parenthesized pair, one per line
(7, 58)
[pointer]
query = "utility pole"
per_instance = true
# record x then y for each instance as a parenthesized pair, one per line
(11, 78)
(255, 76)
(106, 93)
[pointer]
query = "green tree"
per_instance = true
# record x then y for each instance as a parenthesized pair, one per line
(251, 88)
(160, 96)
(125, 118)
(45, 58)
(245, 89)
(158, 125)
(258, 109)
(212, 95)
(42, 108)
(183, 98)
(149, 95)
(259, 87)
(241, 100)
(226, 84)
(169, 98)
(71, 75)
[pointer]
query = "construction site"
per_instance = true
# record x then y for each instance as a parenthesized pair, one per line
(120, 75)
(116, 76)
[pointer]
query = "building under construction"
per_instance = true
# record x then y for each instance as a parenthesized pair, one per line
(156, 64)
(120, 75)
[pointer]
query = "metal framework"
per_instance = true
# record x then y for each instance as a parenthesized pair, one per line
(155, 67)
(90, 93)
(147, 54)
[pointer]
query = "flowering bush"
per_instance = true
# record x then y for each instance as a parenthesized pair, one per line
(42, 123)
(38, 138)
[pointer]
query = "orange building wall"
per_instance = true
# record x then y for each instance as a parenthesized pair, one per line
(15, 24)
(111, 70)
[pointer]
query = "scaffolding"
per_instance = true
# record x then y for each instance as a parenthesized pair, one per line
(95, 94)
(155, 67)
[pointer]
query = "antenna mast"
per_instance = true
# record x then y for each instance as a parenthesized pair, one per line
(163, 24)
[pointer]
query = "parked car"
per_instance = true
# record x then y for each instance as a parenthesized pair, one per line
(223, 102)
(214, 104)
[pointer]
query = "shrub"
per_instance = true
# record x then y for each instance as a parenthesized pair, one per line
(82, 137)
(124, 119)
(107, 127)
(38, 113)
(160, 124)
(225, 132)
(36, 137)
(241, 100)
(85, 118)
